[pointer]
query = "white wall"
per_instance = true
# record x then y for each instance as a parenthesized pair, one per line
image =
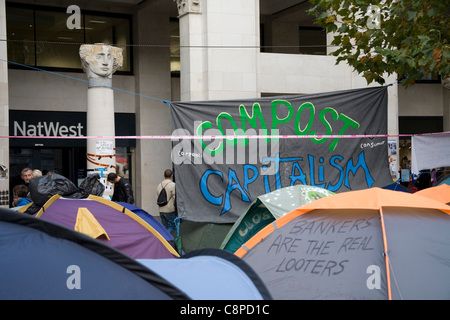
(302, 74)
(42, 91)
(212, 71)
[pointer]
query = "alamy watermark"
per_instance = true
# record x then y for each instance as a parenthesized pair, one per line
(74, 21)
(235, 147)
(74, 280)
(374, 280)
(374, 20)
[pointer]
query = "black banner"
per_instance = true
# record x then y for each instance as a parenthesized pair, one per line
(217, 178)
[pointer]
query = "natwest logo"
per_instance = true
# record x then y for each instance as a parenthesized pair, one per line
(43, 129)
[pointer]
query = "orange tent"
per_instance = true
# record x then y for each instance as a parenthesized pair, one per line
(365, 244)
(374, 198)
(439, 193)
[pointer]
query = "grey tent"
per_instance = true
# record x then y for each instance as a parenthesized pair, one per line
(268, 207)
(367, 244)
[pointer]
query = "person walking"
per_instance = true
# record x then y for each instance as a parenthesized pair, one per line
(168, 212)
(123, 192)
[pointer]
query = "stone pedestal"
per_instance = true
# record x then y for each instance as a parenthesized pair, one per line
(100, 61)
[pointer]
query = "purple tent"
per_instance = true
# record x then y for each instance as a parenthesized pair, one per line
(110, 223)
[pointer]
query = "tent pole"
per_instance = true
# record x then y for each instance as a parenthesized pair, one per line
(386, 256)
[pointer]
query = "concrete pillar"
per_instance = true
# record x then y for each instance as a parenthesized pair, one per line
(100, 62)
(4, 112)
(219, 49)
(192, 49)
(152, 76)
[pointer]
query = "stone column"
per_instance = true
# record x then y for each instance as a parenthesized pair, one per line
(219, 49)
(100, 61)
(193, 80)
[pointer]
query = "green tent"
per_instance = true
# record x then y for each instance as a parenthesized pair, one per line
(200, 235)
(266, 209)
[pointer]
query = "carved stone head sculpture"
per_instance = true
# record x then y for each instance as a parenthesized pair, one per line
(100, 61)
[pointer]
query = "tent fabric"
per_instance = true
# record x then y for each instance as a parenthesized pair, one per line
(194, 235)
(211, 274)
(439, 193)
(367, 244)
(147, 217)
(152, 221)
(202, 235)
(267, 208)
(444, 180)
(396, 186)
(87, 224)
(127, 232)
(45, 261)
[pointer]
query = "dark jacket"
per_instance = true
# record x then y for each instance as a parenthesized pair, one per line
(123, 191)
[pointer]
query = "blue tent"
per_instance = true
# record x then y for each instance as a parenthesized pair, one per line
(211, 274)
(42, 260)
(396, 186)
(445, 179)
(147, 217)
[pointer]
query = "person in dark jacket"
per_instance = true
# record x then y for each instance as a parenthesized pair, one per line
(123, 192)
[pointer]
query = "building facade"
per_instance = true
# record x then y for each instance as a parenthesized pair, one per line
(173, 50)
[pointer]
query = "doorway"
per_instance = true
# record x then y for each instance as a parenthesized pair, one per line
(68, 162)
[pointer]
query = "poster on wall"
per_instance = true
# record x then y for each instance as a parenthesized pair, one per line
(226, 153)
(430, 151)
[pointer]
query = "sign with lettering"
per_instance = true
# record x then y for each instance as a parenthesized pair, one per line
(60, 125)
(104, 148)
(323, 254)
(237, 150)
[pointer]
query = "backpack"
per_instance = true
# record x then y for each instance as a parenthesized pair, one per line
(162, 197)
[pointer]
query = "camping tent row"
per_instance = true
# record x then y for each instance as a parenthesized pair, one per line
(44, 260)
(267, 208)
(136, 234)
(77, 215)
(123, 226)
(366, 244)
(263, 210)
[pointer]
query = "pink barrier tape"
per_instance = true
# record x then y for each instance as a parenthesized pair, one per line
(206, 137)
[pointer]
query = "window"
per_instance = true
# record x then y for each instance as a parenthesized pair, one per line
(286, 27)
(20, 28)
(50, 27)
(430, 78)
(110, 30)
(174, 47)
(39, 36)
(313, 40)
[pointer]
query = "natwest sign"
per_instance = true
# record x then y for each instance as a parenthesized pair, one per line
(61, 124)
(45, 129)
